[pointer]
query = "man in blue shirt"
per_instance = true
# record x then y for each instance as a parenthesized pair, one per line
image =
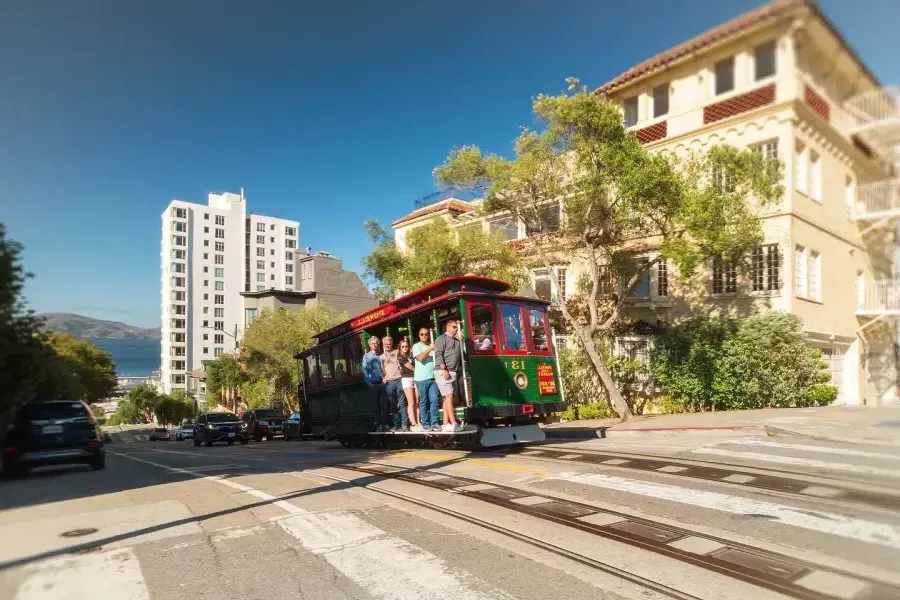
(374, 377)
(425, 384)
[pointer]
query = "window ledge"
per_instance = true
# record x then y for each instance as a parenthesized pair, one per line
(650, 302)
(724, 296)
(763, 294)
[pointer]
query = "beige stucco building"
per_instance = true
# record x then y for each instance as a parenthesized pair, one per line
(781, 80)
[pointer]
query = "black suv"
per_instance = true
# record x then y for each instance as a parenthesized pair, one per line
(53, 433)
(219, 427)
(264, 423)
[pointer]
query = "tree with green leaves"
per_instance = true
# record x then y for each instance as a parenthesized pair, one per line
(617, 199)
(141, 401)
(90, 367)
(27, 364)
(224, 376)
(434, 251)
(270, 343)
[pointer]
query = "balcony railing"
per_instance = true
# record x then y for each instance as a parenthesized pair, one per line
(875, 119)
(877, 199)
(879, 298)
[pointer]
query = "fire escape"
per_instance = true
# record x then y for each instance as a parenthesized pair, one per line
(874, 123)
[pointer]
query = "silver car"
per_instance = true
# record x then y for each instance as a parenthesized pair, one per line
(185, 431)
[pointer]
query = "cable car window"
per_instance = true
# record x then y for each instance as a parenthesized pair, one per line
(325, 373)
(354, 355)
(513, 328)
(481, 318)
(339, 362)
(540, 339)
(312, 371)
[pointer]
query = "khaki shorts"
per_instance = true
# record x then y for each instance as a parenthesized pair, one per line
(445, 386)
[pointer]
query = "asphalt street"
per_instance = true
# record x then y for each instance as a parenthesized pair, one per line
(706, 516)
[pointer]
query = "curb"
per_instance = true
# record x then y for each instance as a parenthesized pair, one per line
(790, 433)
(587, 433)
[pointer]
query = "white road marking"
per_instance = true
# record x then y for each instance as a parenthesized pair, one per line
(738, 478)
(531, 500)
(112, 574)
(616, 461)
(801, 462)
(832, 584)
(834, 524)
(231, 533)
(385, 566)
(569, 456)
(672, 469)
(821, 492)
(696, 545)
(813, 448)
(602, 518)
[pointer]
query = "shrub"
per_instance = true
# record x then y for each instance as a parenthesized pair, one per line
(768, 364)
(583, 389)
(764, 361)
(684, 358)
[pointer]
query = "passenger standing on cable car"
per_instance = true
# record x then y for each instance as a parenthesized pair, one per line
(407, 377)
(425, 383)
(393, 385)
(374, 377)
(448, 364)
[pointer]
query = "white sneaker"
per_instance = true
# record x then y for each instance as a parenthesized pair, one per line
(416, 428)
(458, 427)
(446, 427)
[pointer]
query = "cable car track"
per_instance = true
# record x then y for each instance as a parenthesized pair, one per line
(771, 480)
(753, 565)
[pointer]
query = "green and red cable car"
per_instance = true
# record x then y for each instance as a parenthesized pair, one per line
(510, 377)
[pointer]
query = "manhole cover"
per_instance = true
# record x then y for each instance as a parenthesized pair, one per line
(79, 532)
(88, 550)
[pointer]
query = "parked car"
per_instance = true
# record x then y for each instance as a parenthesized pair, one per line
(264, 423)
(185, 431)
(293, 428)
(220, 427)
(53, 433)
(159, 434)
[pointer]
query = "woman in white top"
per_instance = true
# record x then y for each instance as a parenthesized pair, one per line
(407, 379)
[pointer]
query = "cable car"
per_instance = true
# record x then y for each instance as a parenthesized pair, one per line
(509, 379)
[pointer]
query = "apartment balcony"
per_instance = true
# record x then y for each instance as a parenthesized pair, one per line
(877, 200)
(874, 118)
(879, 298)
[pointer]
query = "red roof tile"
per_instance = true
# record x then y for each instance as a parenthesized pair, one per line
(736, 25)
(452, 204)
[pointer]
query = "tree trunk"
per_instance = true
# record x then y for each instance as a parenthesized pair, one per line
(615, 396)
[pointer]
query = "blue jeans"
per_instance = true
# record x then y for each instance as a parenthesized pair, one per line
(382, 405)
(429, 398)
(397, 400)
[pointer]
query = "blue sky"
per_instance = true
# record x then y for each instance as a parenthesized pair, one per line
(330, 113)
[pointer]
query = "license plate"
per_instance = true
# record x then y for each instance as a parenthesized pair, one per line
(230, 435)
(49, 429)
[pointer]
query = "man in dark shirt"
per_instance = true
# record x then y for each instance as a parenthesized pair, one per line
(448, 364)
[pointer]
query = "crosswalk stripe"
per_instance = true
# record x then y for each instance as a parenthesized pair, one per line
(111, 574)
(859, 529)
(814, 448)
(801, 462)
(386, 566)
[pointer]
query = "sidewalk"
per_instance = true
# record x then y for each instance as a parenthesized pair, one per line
(853, 424)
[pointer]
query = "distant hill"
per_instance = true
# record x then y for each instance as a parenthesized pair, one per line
(86, 327)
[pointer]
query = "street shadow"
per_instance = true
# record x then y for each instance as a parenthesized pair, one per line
(70, 483)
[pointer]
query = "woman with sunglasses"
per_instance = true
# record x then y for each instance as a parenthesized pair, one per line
(407, 375)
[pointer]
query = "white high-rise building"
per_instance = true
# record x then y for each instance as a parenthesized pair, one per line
(210, 254)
